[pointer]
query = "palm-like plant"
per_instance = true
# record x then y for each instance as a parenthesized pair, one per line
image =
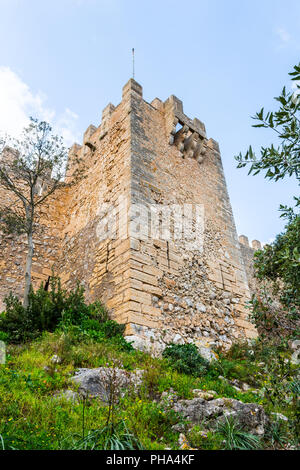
(235, 437)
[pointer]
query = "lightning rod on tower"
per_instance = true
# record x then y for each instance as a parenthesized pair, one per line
(133, 62)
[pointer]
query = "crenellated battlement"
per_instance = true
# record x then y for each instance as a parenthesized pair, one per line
(255, 244)
(187, 135)
(147, 160)
(247, 252)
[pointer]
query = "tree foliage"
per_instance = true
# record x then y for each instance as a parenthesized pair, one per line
(279, 262)
(32, 168)
(284, 159)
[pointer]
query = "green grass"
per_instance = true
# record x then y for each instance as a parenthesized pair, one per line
(31, 418)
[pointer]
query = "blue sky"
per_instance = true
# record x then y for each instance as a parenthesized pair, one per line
(64, 60)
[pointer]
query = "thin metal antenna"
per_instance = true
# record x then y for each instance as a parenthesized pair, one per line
(133, 63)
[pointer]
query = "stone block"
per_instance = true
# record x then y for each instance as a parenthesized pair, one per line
(144, 277)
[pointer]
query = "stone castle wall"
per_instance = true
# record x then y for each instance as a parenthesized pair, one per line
(248, 254)
(145, 162)
(195, 294)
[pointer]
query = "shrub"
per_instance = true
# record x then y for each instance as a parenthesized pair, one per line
(231, 369)
(91, 329)
(241, 350)
(98, 311)
(153, 372)
(111, 328)
(3, 336)
(58, 308)
(186, 359)
(17, 322)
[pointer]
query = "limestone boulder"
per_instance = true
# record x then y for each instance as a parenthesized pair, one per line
(250, 416)
(98, 382)
(147, 343)
(206, 351)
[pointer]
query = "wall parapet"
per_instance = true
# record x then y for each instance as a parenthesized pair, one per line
(255, 244)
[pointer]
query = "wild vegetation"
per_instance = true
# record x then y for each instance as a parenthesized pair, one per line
(36, 415)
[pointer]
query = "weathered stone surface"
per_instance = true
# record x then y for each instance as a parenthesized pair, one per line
(97, 382)
(249, 415)
(178, 339)
(146, 343)
(137, 342)
(206, 395)
(205, 351)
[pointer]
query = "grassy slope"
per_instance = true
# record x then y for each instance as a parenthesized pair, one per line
(30, 418)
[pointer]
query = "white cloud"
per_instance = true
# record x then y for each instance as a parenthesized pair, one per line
(284, 35)
(18, 102)
(65, 126)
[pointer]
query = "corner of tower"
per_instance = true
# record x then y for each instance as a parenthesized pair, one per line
(132, 88)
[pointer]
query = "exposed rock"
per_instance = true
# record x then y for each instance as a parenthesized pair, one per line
(250, 416)
(201, 308)
(178, 339)
(97, 382)
(147, 343)
(245, 387)
(205, 351)
(179, 427)
(220, 377)
(136, 341)
(295, 359)
(295, 344)
(209, 395)
(188, 301)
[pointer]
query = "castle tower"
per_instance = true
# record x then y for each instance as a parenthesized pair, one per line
(150, 230)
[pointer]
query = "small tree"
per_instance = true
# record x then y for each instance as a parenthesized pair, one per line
(283, 160)
(279, 262)
(32, 168)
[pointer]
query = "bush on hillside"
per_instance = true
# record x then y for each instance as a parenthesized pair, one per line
(59, 309)
(185, 358)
